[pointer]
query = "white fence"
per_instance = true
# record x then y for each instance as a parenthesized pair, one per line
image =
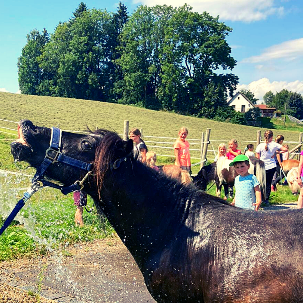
(200, 149)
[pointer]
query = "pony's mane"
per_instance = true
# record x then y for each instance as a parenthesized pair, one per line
(106, 152)
(111, 148)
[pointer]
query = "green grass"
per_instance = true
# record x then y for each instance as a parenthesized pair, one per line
(75, 114)
(47, 221)
(287, 125)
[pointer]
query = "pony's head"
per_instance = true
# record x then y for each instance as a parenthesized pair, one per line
(33, 147)
(204, 176)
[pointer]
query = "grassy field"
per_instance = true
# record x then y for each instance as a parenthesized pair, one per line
(48, 216)
(75, 115)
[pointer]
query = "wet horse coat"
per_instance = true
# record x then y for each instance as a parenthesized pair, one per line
(189, 246)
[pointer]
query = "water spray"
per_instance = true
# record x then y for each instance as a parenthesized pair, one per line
(30, 191)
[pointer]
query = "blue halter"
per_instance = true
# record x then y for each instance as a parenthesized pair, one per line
(52, 155)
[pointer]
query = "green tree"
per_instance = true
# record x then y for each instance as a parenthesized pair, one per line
(295, 105)
(286, 102)
(249, 95)
(171, 60)
(79, 11)
(114, 51)
(75, 61)
(252, 116)
(269, 99)
(30, 74)
(281, 99)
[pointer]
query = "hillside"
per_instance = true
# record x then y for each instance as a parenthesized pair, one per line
(74, 114)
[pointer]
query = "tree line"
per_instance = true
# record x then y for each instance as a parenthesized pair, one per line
(159, 57)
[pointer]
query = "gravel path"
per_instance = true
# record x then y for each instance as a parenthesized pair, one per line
(102, 271)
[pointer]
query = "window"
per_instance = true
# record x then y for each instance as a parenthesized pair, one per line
(242, 108)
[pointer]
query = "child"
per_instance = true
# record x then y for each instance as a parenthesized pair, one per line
(221, 151)
(232, 150)
(249, 150)
(300, 180)
(140, 148)
(80, 200)
(248, 193)
(182, 150)
(151, 159)
(285, 156)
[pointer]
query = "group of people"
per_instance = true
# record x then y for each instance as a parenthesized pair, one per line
(248, 193)
(272, 153)
(181, 148)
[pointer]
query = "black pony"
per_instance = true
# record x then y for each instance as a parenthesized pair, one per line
(189, 246)
(223, 175)
(209, 173)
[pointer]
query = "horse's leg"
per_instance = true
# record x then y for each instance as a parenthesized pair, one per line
(230, 190)
(218, 186)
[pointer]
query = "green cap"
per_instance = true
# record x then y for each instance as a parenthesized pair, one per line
(239, 158)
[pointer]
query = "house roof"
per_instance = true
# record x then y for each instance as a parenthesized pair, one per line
(264, 106)
(236, 95)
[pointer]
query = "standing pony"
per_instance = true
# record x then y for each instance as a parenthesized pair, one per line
(224, 175)
(189, 246)
(170, 170)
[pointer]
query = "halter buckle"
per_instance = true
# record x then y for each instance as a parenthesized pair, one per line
(52, 154)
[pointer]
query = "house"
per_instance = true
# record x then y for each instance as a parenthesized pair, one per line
(266, 111)
(240, 103)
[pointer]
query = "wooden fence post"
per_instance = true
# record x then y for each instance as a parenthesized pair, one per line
(204, 153)
(258, 138)
(126, 129)
(201, 152)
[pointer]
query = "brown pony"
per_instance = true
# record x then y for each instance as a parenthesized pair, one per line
(189, 246)
(170, 170)
(287, 165)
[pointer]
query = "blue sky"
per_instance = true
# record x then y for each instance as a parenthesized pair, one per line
(266, 41)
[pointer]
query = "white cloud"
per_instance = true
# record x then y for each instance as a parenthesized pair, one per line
(262, 86)
(289, 50)
(233, 10)
(4, 90)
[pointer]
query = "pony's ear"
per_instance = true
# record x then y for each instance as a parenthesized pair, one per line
(128, 146)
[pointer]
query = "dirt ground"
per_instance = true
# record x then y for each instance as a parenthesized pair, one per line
(102, 271)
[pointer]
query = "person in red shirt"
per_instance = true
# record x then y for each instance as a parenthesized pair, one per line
(233, 150)
(181, 148)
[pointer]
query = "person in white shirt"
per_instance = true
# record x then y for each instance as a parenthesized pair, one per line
(249, 150)
(265, 151)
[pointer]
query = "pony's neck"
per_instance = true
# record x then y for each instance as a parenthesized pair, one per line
(145, 207)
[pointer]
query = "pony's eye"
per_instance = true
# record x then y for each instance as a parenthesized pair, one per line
(86, 145)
